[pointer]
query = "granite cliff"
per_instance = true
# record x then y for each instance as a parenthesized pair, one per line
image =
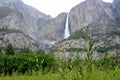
(23, 26)
(20, 23)
(101, 20)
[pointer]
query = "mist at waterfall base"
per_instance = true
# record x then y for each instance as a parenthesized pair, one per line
(50, 44)
(67, 32)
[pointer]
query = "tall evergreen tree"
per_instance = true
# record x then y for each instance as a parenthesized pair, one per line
(9, 50)
(0, 50)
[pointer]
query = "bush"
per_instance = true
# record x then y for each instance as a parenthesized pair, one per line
(25, 63)
(101, 49)
(75, 50)
(108, 64)
(83, 33)
(46, 61)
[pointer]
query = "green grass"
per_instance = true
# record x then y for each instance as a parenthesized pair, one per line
(95, 75)
(33, 77)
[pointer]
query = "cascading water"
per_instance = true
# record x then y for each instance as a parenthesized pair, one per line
(66, 32)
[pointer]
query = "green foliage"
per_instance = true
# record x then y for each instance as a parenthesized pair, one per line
(26, 50)
(103, 50)
(0, 51)
(83, 33)
(9, 50)
(8, 64)
(96, 75)
(115, 32)
(6, 31)
(107, 64)
(26, 63)
(1, 63)
(117, 46)
(12, 31)
(90, 51)
(64, 70)
(75, 49)
(45, 61)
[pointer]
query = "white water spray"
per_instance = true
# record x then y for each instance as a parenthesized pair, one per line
(66, 32)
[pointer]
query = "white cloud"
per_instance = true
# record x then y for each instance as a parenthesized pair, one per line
(54, 7)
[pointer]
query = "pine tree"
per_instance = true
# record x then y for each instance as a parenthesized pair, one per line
(9, 50)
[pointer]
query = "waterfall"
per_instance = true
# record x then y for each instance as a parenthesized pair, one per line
(66, 32)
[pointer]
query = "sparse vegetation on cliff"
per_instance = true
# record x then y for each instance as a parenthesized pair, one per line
(4, 11)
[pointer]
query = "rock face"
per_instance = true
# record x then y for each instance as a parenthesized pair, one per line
(102, 22)
(100, 18)
(19, 23)
(54, 29)
(22, 25)
(18, 40)
(90, 12)
(116, 9)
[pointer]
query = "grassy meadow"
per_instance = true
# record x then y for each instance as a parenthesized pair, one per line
(95, 75)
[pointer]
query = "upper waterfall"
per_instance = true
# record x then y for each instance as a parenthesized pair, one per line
(66, 32)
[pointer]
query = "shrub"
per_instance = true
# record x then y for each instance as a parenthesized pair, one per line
(25, 63)
(46, 61)
(83, 33)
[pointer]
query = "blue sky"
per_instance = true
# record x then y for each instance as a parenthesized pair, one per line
(54, 7)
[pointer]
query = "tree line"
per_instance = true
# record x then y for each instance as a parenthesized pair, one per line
(25, 61)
